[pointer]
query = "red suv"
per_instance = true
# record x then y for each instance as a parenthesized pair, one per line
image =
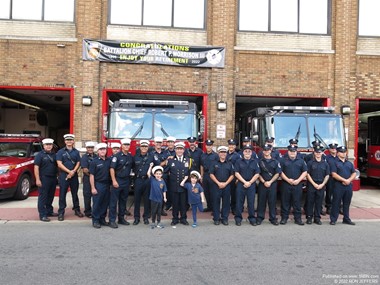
(17, 152)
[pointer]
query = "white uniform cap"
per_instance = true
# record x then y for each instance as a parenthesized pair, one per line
(90, 144)
(47, 141)
(157, 167)
(222, 148)
(196, 173)
(69, 136)
(100, 146)
(170, 139)
(158, 139)
(115, 144)
(179, 145)
(125, 141)
(144, 142)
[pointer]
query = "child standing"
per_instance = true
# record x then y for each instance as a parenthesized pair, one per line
(195, 195)
(157, 193)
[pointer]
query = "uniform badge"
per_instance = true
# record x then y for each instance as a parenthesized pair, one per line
(195, 190)
(161, 186)
(186, 164)
(114, 159)
(173, 164)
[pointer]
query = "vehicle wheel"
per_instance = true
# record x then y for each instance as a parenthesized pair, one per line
(23, 187)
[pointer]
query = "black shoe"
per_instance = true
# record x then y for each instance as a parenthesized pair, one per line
(104, 223)
(299, 222)
(173, 223)
(96, 225)
(146, 222)
(238, 223)
(253, 224)
(45, 219)
(113, 225)
(309, 221)
(258, 222)
(225, 223)
(89, 216)
(206, 210)
(275, 223)
(349, 222)
(60, 218)
(136, 222)
(283, 222)
(163, 213)
(332, 223)
(122, 221)
(79, 214)
(53, 215)
(318, 222)
(216, 223)
(186, 223)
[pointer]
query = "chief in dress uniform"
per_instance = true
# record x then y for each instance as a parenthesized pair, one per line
(294, 170)
(343, 172)
(68, 160)
(247, 171)
(270, 171)
(318, 175)
(141, 163)
(207, 159)
(222, 174)
(45, 171)
(85, 165)
(100, 181)
(169, 153)
(178, 175)
(120, 169)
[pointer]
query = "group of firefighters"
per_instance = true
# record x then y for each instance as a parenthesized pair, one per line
(230, 179)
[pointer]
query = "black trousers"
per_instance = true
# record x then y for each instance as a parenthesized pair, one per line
(179, 206)
(156, 208)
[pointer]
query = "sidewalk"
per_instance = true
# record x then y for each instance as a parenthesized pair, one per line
(365, 206)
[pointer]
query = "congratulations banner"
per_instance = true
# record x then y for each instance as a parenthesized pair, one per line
(153, 53)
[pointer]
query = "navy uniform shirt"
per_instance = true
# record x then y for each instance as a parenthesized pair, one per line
(158, 157)
(342, 168)
(195, 155)
(194, 192)
(100, 168)
(293, 168)
(68, 157)
(207, 159)
(122, 164)
(85, 163)
(157, 188)
(177, 172)
(141, 165)
(232, 157)
(222, 170)
(47, 163)
(318, 170)
(247, 168)
(269, 167)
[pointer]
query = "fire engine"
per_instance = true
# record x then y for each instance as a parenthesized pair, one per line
(147, 119)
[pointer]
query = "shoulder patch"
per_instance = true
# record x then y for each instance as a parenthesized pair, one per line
(114, 159)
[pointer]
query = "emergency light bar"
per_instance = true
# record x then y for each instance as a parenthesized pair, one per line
(154, 102)
(303, 108)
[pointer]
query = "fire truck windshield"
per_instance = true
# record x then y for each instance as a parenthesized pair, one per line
(147, 125)
(284, 127)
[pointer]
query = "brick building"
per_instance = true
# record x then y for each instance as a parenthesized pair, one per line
(44, 58)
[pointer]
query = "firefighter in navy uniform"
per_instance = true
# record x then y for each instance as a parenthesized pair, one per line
(318, 175)
(100, 181)
(232, 156)
(68, 161)
(159, 160)
(330, 185)
(343, 172)
(194, 153)
(169, 153)
(294, 170)
(120, 170)
(221, 173)
(141, 164)
(45, 171)
(275, 154)
(246, 141)
(85, 165)
(207, 159)
(178, 175)
(247, 171)
(270, 171)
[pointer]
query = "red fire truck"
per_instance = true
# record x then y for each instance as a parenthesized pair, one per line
(147, 119)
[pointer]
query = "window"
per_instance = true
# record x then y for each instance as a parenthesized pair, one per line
(369, 20)
(160, 13)
(285, 16)
(38, 10)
